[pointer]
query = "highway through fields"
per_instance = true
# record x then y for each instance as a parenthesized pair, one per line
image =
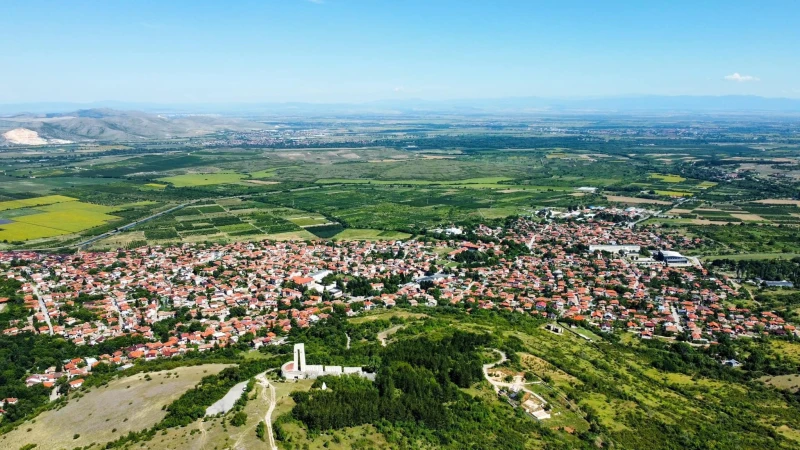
(132, 224)
(94, 239)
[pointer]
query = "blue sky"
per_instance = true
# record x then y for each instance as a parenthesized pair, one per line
(362, 50)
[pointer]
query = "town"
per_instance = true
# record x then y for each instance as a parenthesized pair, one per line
(608, 276)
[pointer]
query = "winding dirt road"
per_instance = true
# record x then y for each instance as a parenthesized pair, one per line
(486, 368)
(268, 416)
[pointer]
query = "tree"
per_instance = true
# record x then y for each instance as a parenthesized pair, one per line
(261, 430)
(239, 419)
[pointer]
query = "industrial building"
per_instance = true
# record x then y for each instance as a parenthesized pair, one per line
(672, 258)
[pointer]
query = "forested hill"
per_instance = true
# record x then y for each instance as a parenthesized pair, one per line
(418, 390)
(764, 269)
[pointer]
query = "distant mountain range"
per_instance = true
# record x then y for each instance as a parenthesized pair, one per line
(107, 125)
(623, 104)
(61, 123)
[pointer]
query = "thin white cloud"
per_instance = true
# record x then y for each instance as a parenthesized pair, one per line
(152, 25)
(399, 89)
(739, 78)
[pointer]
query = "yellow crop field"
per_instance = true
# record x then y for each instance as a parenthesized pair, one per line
(68, 221)
(36, 201)
(78, 207)
(56, 219)
(668, 178)
(18, 231)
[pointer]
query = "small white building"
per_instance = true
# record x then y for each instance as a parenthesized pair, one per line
(613, 248)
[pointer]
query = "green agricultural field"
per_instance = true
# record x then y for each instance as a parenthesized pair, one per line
(161, 233)
(238, 227)
(268, 173)
(419, 179)
(45, 186)
(208, 209)
(292, 235)
(668, 178)
(751, 238)
(499, 213)
(751, 256)
(674, 193)
(308, 221)
(138, 204)
(325, 231)
(486, 181)
(361, 234)
(203, 179)
(401, 208)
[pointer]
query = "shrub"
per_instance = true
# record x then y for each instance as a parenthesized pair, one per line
(239, 419)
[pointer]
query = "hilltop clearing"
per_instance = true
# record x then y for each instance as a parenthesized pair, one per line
(105, 413)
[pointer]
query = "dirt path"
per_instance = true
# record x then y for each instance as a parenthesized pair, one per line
(268, 416)
(383, 335)
(204, 434)
(486, 367)
(518, 384)
(237, 445)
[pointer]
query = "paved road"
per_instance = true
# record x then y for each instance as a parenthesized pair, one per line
(43, 308)
(119, 311)
(533, 238)
(676, 319)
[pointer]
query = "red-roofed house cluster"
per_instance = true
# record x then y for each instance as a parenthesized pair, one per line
(192, 298)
